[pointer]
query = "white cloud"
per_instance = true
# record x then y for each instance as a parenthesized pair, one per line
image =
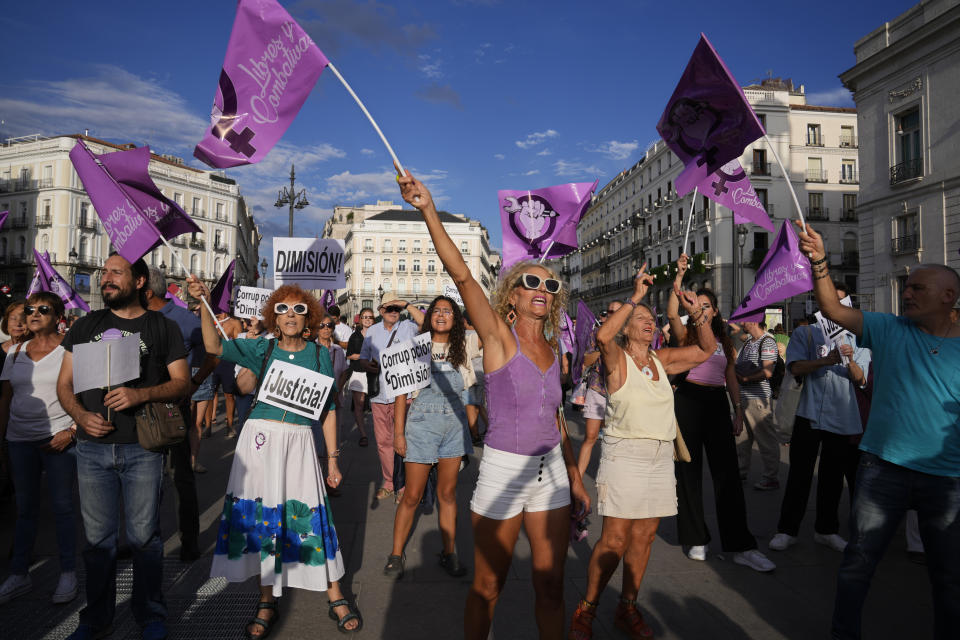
(356, 187)
(617, 150)
(535, 138)
(481, 51)
(575, 168)
(839, 97)
(430, 66)
(367, 152)
(532, 172)
(499, 156)
(278, 161)
(545, 152)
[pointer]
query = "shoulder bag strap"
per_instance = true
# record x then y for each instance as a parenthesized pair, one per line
(263, 369)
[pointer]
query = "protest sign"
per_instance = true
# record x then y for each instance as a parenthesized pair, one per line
(295, 389)
(406, 367)
(453, 293)
(250, 302)
(834, 333)
(309, 262)
(106, 363)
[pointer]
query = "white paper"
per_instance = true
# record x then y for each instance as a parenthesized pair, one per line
(90, 363)
(405, 367)
(834, 334)
(309, 262)
(250, 301)
(453, 293)
(295, 389)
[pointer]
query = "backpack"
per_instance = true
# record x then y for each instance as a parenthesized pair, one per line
(779, 369)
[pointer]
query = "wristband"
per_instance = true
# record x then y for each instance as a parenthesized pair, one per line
(630, 302)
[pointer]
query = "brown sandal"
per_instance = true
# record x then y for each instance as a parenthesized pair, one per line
(581, 626)
(629, 620)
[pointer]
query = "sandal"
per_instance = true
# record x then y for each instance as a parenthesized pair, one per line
(451, 563)
(630, 621)
(363, 441)
(581, 626)
(266, 624)
(351, 615)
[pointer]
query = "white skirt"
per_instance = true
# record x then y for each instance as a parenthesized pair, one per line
(357, 382)
(276, 522)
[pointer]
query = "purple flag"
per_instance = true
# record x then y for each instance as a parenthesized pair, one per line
(132, 209)
(3, 217)
(586, 322)
(708, 121)
(269, 70)
(565, 332)
(327, 300)
(542, 221)
(223, 290)
(176, 300)
(784, 272)
(731, 187)
(46, 278)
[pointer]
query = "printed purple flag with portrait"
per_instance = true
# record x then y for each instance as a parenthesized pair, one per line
(46, 278)
(542, 222)
(328, 299)
(3, 217)
(731, 187)
(223, 290)
(131, 207)
(270, 68)
(784, 272)
(708, 121)
(586, 323)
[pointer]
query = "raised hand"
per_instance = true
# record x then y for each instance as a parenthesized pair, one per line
(196, 288)
(642, 283)
(811, 243)
(413, 192)
(683, 263)
(689, 301)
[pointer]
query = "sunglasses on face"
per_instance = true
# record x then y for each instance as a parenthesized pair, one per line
(533, 282)
(366, 317)
(327, 325)
(281, 308)
(44, 310)
(392, 309)
(604, 314)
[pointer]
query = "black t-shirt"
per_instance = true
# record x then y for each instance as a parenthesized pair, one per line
(160, 344)
(354, 346)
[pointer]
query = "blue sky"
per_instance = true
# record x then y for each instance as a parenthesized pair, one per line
(474, 96)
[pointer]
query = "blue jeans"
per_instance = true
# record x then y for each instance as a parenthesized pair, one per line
(884, 492)
(105, 473)
(27, 461)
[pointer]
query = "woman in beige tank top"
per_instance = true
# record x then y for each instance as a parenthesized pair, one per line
(636, 484)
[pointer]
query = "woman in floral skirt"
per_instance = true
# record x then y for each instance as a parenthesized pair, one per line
(276, 522)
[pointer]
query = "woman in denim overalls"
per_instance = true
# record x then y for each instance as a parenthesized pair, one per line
(434, 431)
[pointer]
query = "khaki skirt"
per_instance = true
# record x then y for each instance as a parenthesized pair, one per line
(636, 479)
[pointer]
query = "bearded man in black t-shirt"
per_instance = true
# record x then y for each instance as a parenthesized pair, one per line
(110, 461)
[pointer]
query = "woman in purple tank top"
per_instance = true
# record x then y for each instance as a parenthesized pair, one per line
(528, 475)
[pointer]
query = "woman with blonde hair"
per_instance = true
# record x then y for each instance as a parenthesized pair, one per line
(14, 324)
(276, 521)
(528, 476)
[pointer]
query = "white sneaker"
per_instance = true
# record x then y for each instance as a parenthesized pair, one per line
(15, 586)
(781, 541)
(755, 560)
(832, 540)
(67, 588)
(697, 552)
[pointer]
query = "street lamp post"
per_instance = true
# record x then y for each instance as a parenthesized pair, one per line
(380, 291)
(263, 272)
(741, 240)
(296, 200)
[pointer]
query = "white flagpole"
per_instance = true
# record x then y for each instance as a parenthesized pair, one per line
(693, 207)
(203, 299)
(786, 177)
(545, 253)
(108, 377)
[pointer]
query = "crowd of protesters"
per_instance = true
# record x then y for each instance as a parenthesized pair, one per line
(879, 409)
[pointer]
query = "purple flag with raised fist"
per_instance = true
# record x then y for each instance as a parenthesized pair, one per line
(586, 322)
(223, 290)
(133, 210)
(708, 121)
(46, 278)
(269, 70)
(542, 222)
(784, 272)
(731, 187)
(3, 217)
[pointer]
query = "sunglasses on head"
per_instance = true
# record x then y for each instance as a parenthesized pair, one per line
(532, 281)
(45, 310)
(392, 309)
(327, 325)
(282, 307)
(604, 314)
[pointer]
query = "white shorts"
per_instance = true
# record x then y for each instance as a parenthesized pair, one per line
(357, 382)
(510, 483)
(595, 405)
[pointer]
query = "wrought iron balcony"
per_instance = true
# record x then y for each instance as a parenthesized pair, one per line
(44, 220)
(88, 223)
(818, 213)
(198, 244)
(761, 169)
(849, 177)
(908, 170)
(19, 222)
(848, 215)
(814, 175)
(850, 260)
(905, 244)
(849, 142)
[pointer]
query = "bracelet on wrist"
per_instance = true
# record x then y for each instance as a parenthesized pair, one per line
(630, 302)
(820, 261)
(821, 276)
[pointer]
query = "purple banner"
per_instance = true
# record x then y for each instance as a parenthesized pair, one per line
(566, 334)
(3, 217)
(586, 322)
(223, 290)
(542, 221)
(784, 272)
(46, 278)
(708, 121)
(328, 299)
(731, 187)
(270, 68)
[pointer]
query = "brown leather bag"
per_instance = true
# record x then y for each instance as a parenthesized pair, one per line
(160, 425)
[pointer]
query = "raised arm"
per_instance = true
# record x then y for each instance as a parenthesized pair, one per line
(490, 327)
(614, 360)
(680, 359)
(211, 338)
(847, 317)
(677, 330)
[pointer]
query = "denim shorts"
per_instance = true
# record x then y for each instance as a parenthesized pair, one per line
(205, 391)
(436, 431)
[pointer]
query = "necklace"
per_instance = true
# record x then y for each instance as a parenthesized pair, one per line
(936, 350)
(645, 369)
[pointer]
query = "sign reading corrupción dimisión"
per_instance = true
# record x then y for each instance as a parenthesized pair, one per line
(405, 367)
(308, 262)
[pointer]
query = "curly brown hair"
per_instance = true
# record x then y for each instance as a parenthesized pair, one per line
(315, 312)
(718, 326)
(508, 282)
(457, 355)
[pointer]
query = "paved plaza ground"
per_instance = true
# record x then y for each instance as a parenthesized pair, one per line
(682, 599)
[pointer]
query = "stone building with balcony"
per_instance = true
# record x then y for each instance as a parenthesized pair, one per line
(389, 254)
(50, 211)
(905, 82)
(639, 217)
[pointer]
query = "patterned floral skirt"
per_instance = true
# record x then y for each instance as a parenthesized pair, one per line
(276, 522)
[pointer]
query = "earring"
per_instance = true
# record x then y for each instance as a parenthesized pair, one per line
(306, 333)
